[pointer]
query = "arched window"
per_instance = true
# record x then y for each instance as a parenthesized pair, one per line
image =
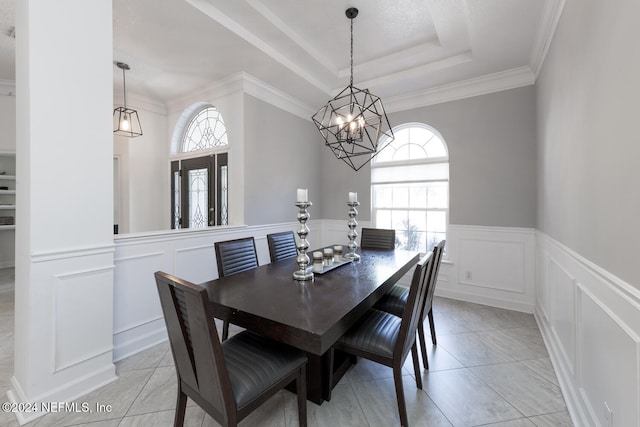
(199, 178)
(206, 130)
(410, 187)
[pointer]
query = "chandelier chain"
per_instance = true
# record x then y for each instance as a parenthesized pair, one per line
(351, 81)
(124, 88)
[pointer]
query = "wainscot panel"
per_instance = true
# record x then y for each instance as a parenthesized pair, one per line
(71, 290)
(489, 265)
(590, 321)
(186, 253)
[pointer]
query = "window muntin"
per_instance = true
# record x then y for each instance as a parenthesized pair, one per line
(410, 187)
(412, 143)
(205, 131)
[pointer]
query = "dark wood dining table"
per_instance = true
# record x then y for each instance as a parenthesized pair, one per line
(311, 315)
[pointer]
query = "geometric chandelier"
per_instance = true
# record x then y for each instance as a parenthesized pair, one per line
(353, 121)
(125, 120)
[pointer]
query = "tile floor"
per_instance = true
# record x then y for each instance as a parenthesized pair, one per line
(490, 368)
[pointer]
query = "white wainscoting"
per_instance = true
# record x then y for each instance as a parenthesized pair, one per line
(189, 254)
(590, 321)
(71, 291)
(489, 265)
(500, 260)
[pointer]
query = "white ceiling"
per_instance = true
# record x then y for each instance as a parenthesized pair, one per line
(301, 48)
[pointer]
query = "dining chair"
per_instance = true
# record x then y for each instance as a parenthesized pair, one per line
(234, 256)
(377, 238)
(227, 380)
(395, 300)
(282, 245)
(386, 339)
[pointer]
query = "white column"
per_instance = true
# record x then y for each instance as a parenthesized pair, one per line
(64, 241)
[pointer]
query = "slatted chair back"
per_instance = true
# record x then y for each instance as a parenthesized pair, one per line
(282, 245)
(411, 316)
(234, 256)
(197, 352)
(377, 238)
(438, 250)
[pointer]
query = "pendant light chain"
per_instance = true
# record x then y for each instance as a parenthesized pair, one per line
(124, 87)
(351, 81)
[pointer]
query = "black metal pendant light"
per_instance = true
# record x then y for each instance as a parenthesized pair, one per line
(353, 122)
(126, 120)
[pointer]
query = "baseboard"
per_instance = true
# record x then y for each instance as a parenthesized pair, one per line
(486, 300)
(567, 386)
(137, 339)
(65, 393)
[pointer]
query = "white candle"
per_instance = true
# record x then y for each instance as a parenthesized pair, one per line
(318, 262)
(303, 195)
(353, 197)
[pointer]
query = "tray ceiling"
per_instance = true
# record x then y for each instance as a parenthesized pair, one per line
(301, 48)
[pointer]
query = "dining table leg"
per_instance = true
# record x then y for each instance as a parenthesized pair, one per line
(321, 378)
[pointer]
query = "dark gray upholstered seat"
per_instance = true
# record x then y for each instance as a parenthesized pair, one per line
(227, 380)
(282, 245)
(395, 300)
(377, 238)
(235, 256)
(255, 362)
(387, 339)
(380, 335)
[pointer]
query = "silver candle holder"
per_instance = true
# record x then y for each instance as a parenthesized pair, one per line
(303, 273)
(352, 224)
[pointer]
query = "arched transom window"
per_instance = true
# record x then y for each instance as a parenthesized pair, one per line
(410, 187)
(206, 130)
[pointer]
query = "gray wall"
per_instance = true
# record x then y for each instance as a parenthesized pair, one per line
(492, 152)
(588, 148)
(280, 157)
(338, 179)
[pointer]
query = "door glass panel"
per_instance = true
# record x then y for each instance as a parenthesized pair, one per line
(198, 198)
(176, 199)
(224, 195)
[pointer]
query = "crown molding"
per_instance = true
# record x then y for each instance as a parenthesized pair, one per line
(496, 82)
(212, 91)
(7, 88)
(248, 84)
(267, 93)
(421, 70)
(141, 102)
(548, 24)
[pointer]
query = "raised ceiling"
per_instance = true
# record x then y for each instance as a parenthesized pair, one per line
(402, 49)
